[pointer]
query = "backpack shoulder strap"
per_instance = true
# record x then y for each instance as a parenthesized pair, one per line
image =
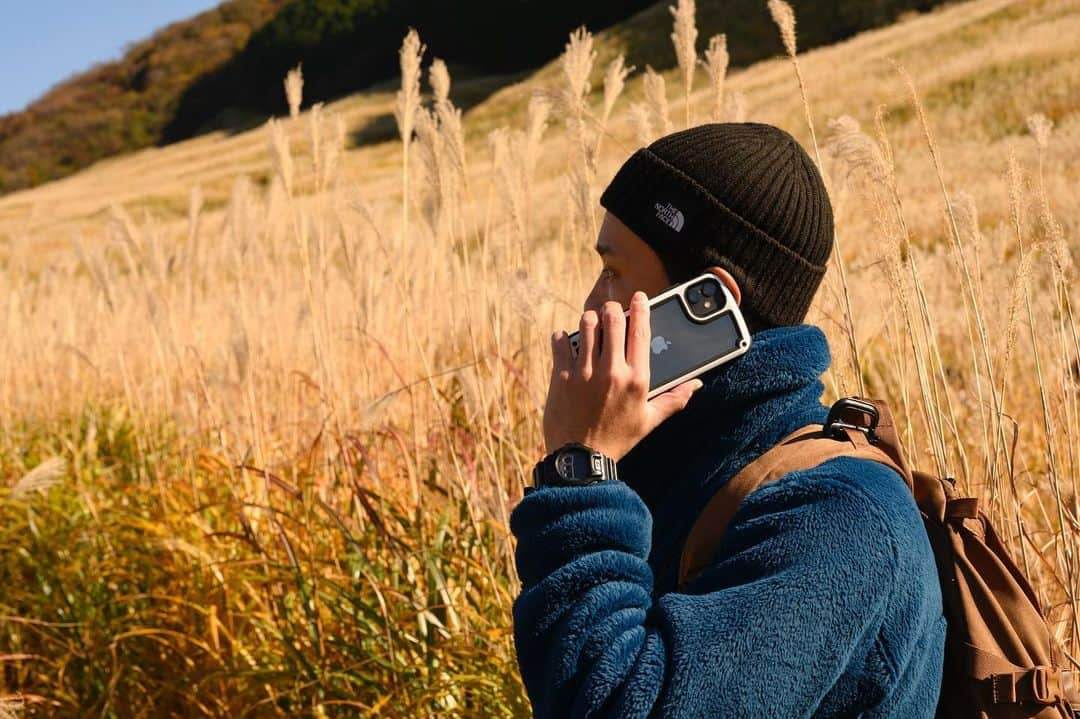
(804, 448)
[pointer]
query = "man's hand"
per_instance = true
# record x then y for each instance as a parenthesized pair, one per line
(599, 398)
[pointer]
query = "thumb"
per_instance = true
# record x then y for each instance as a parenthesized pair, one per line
(672, 401)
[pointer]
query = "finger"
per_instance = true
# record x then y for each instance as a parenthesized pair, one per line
(639, 334)
(587, 329)
(612, 354)
(561, 357)
(672, 401)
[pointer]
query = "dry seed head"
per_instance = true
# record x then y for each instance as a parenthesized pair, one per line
(639, 118)
(429, 147)
(614, 81)
(577, 62)
(40, 478)
(684, 38)
(559, 99)
(408, 97)
(857, 152)
(439, 77)
(1039, 125)
(294, 90)
(453, 134)
(1014, 176)
(1057, 247)
(716, 65)
(656, 101)
(784, 17)
(508, 172)
(967, 214)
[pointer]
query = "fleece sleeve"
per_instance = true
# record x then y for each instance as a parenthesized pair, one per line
(793, 602)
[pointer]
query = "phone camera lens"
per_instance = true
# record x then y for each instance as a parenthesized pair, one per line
(693, 295)
(709, 289)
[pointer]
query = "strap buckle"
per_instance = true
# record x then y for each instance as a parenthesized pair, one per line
(1041, 685)
(843, 414)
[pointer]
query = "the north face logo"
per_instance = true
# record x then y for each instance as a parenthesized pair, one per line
(670, 216)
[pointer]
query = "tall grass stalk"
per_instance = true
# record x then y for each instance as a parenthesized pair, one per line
(684, 38)
(784, 17)
(716, 66)
(405, 109)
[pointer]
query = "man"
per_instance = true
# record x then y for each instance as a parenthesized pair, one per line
(823, 598)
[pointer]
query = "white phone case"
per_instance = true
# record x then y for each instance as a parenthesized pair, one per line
(702, 344)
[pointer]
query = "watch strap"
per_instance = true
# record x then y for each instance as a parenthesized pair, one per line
(603, 468)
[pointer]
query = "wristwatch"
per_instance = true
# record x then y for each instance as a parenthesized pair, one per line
(573, 465)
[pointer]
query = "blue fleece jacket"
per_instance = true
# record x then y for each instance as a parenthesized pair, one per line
(822, 600)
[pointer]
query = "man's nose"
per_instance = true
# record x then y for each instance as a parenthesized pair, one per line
(593, 301)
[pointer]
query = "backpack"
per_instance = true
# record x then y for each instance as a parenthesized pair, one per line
(999, 654)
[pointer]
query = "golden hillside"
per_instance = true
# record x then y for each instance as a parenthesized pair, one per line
(982, 66)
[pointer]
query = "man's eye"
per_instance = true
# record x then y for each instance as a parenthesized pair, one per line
(607, 273)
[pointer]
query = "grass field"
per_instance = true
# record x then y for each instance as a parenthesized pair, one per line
(262, 421)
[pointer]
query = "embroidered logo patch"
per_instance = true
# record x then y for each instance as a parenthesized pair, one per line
(670, 216)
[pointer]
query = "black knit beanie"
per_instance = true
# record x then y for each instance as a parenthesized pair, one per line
(742, 196)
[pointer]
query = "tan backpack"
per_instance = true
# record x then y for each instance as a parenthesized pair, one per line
(999, 655)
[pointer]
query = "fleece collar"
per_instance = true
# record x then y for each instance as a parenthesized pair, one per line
(743, 408)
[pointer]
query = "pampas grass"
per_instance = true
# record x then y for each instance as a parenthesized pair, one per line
(406, 105)
(684, 37)
(435, 181)
(614, 82)
(577, 63)
(656, 102)
(452, 133)
(716, 66)
(47, 474)
(294, 91)
(784, 17)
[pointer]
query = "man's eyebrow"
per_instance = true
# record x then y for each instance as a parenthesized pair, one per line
(602, 249)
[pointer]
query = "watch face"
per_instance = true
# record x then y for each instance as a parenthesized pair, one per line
(575, 464)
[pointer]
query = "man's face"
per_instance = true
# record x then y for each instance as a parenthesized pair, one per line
(629, 265)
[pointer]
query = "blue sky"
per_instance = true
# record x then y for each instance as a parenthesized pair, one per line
(44, 41)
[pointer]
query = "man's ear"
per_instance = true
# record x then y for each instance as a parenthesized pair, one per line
(728, 280)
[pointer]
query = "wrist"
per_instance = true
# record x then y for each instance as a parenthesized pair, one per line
(596, 445)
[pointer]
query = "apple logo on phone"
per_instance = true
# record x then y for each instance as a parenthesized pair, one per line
(659, 344)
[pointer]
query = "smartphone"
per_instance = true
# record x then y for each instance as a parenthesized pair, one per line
(695, 326)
